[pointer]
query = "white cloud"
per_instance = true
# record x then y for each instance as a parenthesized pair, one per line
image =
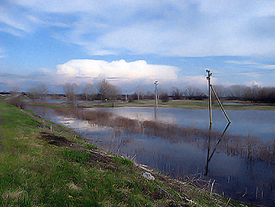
(251, 74)
(241, 62)
(116, 71)
(170, 28)
(253, 83)
(269, 67)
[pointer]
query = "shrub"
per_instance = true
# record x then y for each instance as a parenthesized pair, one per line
(17, 102)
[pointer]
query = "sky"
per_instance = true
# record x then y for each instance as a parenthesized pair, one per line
(132, 43)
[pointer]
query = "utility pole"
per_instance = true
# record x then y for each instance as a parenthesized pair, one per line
(209, 92)
(156, 93)
(138, 94)
(126, 96)
(210, 101)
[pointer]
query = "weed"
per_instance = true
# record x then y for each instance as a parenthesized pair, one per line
(77, 155)
(91, 146)
(123, 161)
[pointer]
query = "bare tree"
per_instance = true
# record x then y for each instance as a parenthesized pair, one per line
(164, 97)
(33, 93)
(114, 91)
(220, 90)
(149, 95)
(89, 91)
(42, 90)
(106, 90)
(176, 93)
(71, 90)
(194, 93)
(237, 91)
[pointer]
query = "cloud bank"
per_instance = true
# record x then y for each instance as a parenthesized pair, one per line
(126, 75)
(115, 71)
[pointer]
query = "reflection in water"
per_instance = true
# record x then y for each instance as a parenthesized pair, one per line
(155, 113)
(241, 166)
(209, 157)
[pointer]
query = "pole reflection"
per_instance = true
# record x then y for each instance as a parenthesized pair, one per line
(209, 156)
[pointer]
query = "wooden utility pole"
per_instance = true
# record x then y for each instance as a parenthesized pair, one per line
(156, 93)
(209, 92)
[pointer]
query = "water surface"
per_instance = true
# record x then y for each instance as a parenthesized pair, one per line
(237, 175)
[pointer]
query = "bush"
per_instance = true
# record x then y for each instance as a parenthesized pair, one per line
(164, 97)
(17, 102)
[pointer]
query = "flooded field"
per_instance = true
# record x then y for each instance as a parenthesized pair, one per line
(238, 164)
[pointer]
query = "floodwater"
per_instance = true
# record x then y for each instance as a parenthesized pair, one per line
(235, 173)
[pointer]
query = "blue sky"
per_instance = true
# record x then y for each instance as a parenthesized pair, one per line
(134, 42)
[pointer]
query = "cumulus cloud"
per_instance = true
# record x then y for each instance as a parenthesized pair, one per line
(126, 75)
(116, 71)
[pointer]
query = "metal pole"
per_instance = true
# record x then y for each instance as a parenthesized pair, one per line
(209, 91)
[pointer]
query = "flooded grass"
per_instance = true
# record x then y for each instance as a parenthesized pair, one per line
(241, 168)
(53, 166)
(247, 147)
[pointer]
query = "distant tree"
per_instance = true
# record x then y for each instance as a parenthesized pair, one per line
(89, 91)
(33, 93)
(176, 93)
(149, 95)
(103, 88)
(220, 90)
(106, 90)
(134, 96)
(113, 92)
(164, 97)
(192, 92)
(237, 91)
(71, 90)
(42, 90)
(15, 89)
(55, 96)
(140, 92)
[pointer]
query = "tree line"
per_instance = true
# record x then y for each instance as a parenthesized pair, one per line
(254, 93)
(100, 91)
(103, 90)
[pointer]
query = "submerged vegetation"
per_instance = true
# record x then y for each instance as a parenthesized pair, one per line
(45, 164)
(248, 147)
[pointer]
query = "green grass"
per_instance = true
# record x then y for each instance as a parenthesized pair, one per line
(43, 164)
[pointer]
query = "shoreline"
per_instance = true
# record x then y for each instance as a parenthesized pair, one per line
(163, 190)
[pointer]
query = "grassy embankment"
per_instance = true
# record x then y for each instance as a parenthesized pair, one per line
(187, 104)
(197, 104)
(44, 164)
